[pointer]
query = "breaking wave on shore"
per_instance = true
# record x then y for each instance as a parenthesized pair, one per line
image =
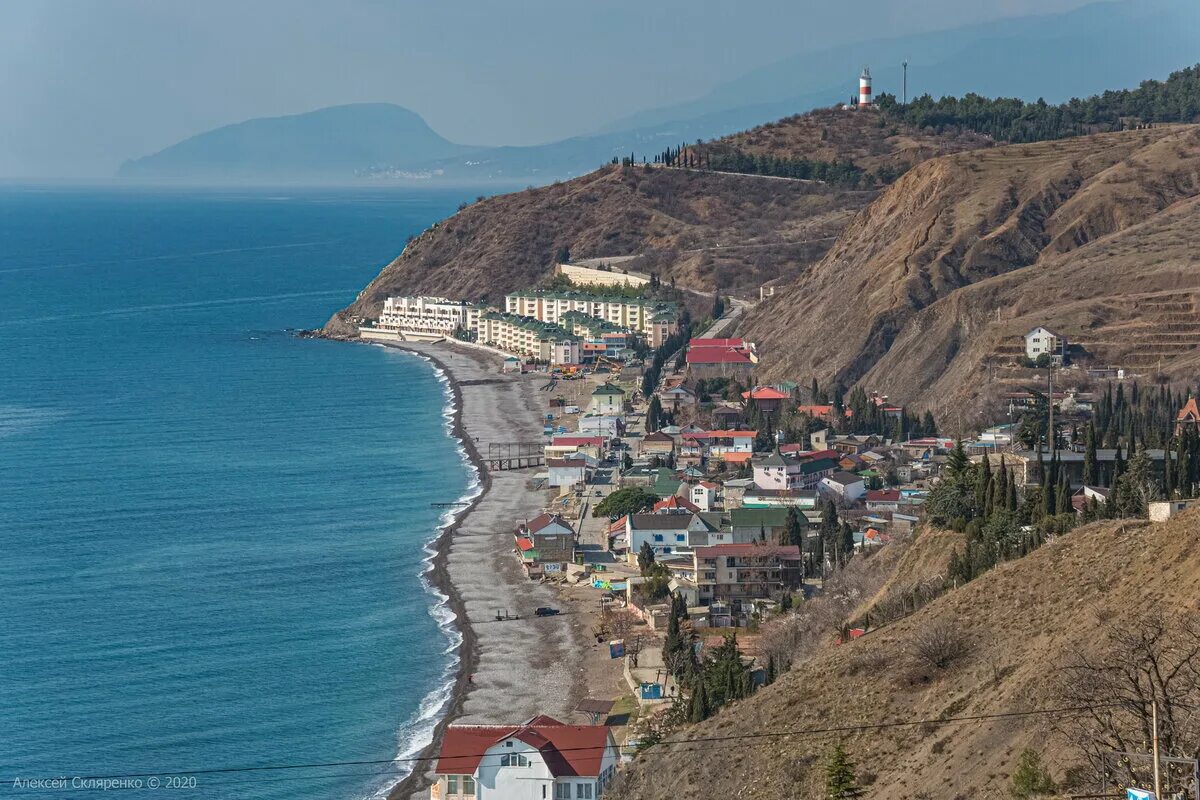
(417, 734)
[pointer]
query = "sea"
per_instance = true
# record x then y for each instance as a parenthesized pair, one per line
(214, 534)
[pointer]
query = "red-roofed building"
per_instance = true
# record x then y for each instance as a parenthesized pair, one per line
(883, 500)
(825, 412)
(540, 758)
(1188, 417)
(674, 504)
(546, 544)
(714, 358)
(768, 399)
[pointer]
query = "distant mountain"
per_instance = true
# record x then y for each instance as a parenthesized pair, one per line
(335, 143)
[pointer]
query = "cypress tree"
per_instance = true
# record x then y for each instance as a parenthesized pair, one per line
(983, 485)
(1010, 500)
(1062, 497)
(699, 710)
(1002, 488)
(1091, 474)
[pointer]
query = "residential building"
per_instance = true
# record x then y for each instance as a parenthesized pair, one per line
(803, 499)
(593, 446)
(750, 525)
(657, 444)
(677, 397)
(527, 336)
(607, 398)
(768, 399)
(845, 486)
(539, 759)
(1188, 418)
(1043, 341)
(718, 358)
(568, 472)
(781, 472)
(663, 324)
(742, 573)
(883, 500)
(704, 495)
(422, 318)
(552, 539)
(722, 443)
(633, 313)
(606, 425)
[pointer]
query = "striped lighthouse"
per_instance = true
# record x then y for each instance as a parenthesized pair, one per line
(864, 88)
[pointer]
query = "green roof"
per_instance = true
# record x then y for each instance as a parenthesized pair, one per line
(645, 302)
(545, 330)
(758, 517)
(607, 388)
(665, 484)
(590, 323)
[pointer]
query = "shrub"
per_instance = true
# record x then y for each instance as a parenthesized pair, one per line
(938, 646)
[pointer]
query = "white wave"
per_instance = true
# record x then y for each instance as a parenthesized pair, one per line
(15, 420)
(417, 734)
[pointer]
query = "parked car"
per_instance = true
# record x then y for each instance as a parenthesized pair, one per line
(546, 611)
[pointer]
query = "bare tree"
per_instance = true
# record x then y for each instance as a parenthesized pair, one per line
(938, 645)
(1151, 659)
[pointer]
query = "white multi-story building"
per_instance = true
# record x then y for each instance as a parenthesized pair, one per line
(634, 313)
(526, 336)
(541, 759)
(422, 318)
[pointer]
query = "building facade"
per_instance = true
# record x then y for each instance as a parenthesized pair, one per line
(632, 313)
(527, 336)
(422, 318)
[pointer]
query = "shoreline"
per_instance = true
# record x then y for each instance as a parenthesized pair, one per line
(508, 671)
(439, 580)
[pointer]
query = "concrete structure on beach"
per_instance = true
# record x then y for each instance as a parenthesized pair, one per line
(422, 319)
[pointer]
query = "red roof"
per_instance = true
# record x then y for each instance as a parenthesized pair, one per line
(544, 521)
(720, 435)
(568, 750)
(717, 355)
(765, 393)
(751, 549)
(577, 441)
(524, 544)
(674, 502)
(735, 458)
(701, 342)
(883, 495)
(1189, 411)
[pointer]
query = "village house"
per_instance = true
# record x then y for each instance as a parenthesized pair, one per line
(780, 472)
(657, 444)
(568, 472)
(704, 495)
(883, 500)
(1188, 418)
(546, 544)
(607, 425)
(742, 573)
(844, 486)
(720, 358)
(719, 444)
(672, 532)
(607, 399)
(768, 399)
(750, 525)
(853, 445)
(677, 397)
(1085, 496)
(539, 759)
(563, 446)
(802, 499)
(1041, 341)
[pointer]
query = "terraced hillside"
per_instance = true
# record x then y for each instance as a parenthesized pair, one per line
(932, 284)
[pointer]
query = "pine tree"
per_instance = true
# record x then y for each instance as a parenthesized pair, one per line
(840, 783)
(957, 462)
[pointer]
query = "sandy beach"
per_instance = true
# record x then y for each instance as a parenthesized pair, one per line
(514, 669)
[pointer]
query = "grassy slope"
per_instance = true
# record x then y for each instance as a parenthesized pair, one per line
(1022, 619)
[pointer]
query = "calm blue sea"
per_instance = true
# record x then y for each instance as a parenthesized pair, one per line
(212, 532)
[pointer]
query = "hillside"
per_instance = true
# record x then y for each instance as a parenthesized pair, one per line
(867, 139)
(931, 284)
(1021, 624)
(704, 230)
(330, 143)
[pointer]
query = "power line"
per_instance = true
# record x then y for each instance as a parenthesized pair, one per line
(1067, 710)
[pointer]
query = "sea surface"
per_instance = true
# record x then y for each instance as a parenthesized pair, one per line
(212, 532)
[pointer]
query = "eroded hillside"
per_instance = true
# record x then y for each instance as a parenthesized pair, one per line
(930, 285)
(705, 230)
(1019, 625)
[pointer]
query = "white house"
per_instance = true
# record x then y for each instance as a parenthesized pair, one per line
(844, 485)
(704, 495)
(608, 398)
(568, 471)
(541, 759)
(607, 425)
(1043, 340)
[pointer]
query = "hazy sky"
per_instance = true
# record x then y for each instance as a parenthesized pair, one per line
(85, 84)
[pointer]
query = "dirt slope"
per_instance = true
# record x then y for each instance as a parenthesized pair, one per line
(706, 230)
(865, 138)
(1094, 236)
(1021, 621)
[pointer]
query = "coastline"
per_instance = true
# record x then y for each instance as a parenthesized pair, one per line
(472, 567)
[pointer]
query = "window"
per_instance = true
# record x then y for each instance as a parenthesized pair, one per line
(679, 537)
(468, 786)
(513, 760)
(451, 784)
(583, 791)
(562, 791)
(658, 537)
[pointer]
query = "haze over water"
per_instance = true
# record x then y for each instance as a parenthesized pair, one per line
(211, 529)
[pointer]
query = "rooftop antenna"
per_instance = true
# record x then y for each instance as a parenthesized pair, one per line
(904, 101)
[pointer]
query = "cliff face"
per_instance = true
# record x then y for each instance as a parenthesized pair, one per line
(705, 230)
(933, 282)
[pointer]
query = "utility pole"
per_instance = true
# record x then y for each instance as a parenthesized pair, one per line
(904, 101)
(1154, 743)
